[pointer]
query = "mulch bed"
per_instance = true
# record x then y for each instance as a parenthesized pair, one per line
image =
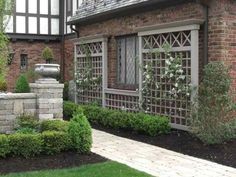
(63, 160)
(185, 143)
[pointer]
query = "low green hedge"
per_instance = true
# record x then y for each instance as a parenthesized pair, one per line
(54, 125)
(4, 146)
(26, 145)
(52, 137)
(140, 122)
(55, 142)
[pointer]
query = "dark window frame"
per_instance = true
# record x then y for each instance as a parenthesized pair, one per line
(23, 61)
(125, 85)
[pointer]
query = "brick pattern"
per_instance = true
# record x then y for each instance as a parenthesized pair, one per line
(68, 60)
(222, 34)
(33, 50)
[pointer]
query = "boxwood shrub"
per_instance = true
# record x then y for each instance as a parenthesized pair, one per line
(54, 125)
(69, 108)
(148, 124)
(4, 146)
(55, 142)
(80, 133)
(26, 145)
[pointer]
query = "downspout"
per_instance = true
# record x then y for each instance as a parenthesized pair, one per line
(206, 31)
(75, 30)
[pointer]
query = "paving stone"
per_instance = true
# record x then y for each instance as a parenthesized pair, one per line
(155, 160)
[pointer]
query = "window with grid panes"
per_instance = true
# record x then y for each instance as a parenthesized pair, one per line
(127, 60)
(23, 61)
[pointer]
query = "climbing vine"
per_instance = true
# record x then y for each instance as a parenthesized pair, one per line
(85, 78)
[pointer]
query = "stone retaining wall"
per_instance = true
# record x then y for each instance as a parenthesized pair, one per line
(45, 102)
(13, 105)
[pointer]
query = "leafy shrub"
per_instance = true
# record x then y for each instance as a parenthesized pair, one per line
(22, 85)
(3, 84)
(54, 125)
(26, 145)
(27, 121)
(47, 54)
(149, 124)
(26, 130)
(4, 146)
(80, 133)
(69, 108)
(55, 142)
(212, 119)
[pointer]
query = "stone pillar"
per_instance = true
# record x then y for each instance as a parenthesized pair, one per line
(49, 99)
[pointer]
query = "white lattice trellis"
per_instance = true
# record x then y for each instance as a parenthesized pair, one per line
(183, 43)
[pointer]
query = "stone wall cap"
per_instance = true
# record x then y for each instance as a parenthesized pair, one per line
(49, 86)
(17, 96)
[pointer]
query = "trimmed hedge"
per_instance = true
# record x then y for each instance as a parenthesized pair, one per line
(140, 122)
(4, 146)
(54, 125)
(69, 108)
(26, 145)
(53, 137)
(55, 142)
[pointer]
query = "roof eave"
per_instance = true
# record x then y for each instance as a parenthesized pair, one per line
(126, 10)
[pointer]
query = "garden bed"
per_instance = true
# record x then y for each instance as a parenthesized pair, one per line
(184, 143)
(62, 160)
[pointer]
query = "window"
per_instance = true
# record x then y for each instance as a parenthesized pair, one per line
(20, 24)
(32, 6)
(20, 6)
(127, 57)
(23, 61)
(32, 26)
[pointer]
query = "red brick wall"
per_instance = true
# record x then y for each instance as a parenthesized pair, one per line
(33, 50)
(222, 34)
(127, 25)
(68, 60)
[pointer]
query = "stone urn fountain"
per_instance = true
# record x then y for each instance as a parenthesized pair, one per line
(48, 73)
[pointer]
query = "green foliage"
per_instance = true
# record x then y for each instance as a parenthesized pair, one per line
(22, 85)
(4, 146)
(148, 124)
(69, 108)
(47, 54)
(5, 11)
(26, 130)
(26, 145)
(144, 123)
(212, 119)
(3, 83)
(55, 142)
(80, 133)
(54, 125)
(66, 91)
(27, 121)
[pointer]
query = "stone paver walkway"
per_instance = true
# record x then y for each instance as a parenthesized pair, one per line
(154, 160)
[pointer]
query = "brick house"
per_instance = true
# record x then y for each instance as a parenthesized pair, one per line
(35, 24)
(120, 36)
(116, 32)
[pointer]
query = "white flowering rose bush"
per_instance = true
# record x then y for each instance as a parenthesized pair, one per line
(174, 73)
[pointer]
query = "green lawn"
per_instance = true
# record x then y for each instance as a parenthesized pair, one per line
(107, 169)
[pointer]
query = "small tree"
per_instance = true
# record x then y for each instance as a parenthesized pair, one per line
(213, 119)
(47, 54)
(5, 11)
(22, 85)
